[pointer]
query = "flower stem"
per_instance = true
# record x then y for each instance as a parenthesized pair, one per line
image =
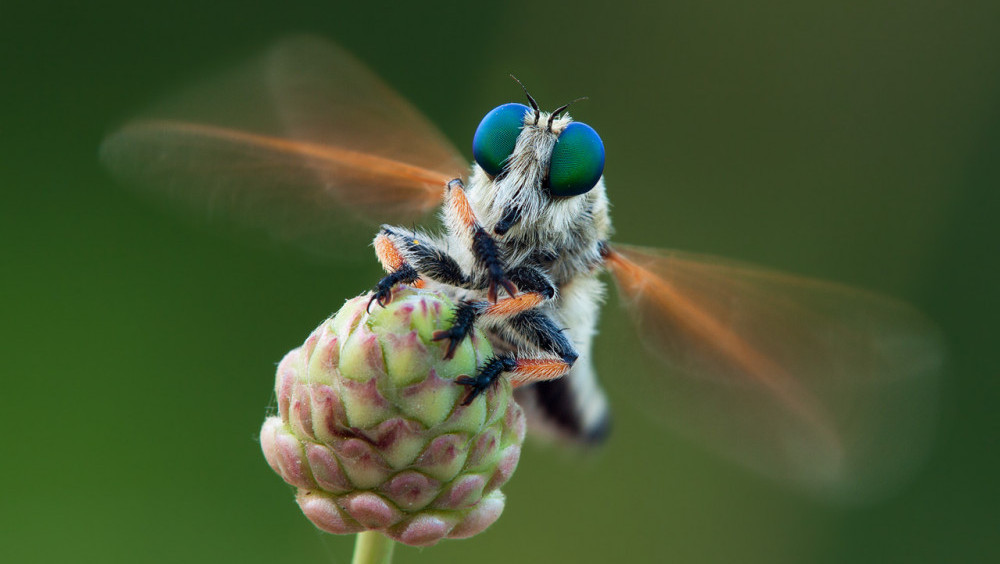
(373, 547)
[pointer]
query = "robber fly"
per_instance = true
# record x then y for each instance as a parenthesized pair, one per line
(811, 382)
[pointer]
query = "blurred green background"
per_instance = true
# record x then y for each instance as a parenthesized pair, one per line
(857, 141)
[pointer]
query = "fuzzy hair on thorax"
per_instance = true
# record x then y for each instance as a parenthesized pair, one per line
(567, 228)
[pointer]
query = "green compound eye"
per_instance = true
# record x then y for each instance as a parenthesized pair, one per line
(577, 161)
(496, 136)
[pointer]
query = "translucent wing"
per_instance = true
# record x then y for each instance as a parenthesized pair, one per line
(810, 382)
(297, 141)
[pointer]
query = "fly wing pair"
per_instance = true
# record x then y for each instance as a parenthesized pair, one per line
(810, 382)
(299, 142)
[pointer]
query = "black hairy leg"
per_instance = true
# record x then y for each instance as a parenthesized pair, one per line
(408, 257)
(520, 371)
(421, 253)
(484, 248)
(486, 376)
(529, 279)
(488, 257)
(535, 289)
(462, 324)
(382, 292)
(536, 329)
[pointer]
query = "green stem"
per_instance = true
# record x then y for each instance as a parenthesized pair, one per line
(373, 547)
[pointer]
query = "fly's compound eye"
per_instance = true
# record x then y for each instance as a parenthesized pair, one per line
(577, 161)
(496, 136)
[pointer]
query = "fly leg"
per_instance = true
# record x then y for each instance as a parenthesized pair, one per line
(519, 370)
(461, 220)
(531, 330)
(408, 257)
(535, 289)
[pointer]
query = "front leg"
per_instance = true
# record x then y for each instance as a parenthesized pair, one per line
(462, 221)
(408, 257)
(382, 292)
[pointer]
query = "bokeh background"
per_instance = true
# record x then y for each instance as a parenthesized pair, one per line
(851, 140)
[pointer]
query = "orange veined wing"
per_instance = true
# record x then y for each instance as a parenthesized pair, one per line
(300, 141)
(810, 382)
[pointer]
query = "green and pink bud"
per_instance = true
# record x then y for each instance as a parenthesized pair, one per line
(371, 429)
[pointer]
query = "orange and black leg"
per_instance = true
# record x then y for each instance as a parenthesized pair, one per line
(535, 289)
(408, 257)
(462, 221)
(530, 329)
(520, 371)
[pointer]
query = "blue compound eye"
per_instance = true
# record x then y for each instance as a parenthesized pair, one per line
(496, 135)
(577, 161)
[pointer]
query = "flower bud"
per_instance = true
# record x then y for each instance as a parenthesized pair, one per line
(371, 430)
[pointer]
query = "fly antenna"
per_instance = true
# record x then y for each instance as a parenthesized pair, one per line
(534, 105)
(562, 109)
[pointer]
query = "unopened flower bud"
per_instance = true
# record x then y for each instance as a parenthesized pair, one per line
(371, 430)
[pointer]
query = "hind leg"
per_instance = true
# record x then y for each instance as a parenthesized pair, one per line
(572, 408)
